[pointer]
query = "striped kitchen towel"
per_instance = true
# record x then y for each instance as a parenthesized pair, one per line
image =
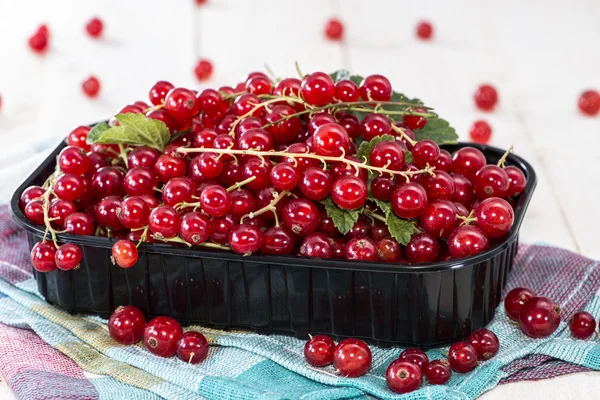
(45, 353)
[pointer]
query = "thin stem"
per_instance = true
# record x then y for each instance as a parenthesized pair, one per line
(143, 237)
(272, 153)
(300, 74)
(468, 219)
(374, 215)
(153, 108)
(505, 156)
(267, 208)
(123, 155)
(240, 184)
(404, 135)
(180, 240)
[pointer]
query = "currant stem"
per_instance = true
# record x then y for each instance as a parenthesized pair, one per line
(468, 219)
(373, 215)
(271, 153)
(177, 239)
(504, 157)
(123, 155)
(403, 135)
(143, 237)
(267, 208)
(240, 184)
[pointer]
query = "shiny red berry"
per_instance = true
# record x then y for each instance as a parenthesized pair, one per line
(438, 372)
(491, 181)
(415, 356)
(480, 132)
(91, 87)
(352, 358)
(301, 216)
(539, 317)
(203, 69)
(582, 325)
(485, 343)
(376, 87)
(192, 348)
(318, 351)
(422, 248)
(68, 256)
(126, 325)
(94, 27)
(162, 335)
(465, 241)
(462, 357)
(43, 257)
(125, 253)
(424, 30)
(494, 216)
(467, 161)
(486, 97)
(409, 200)
(403, 376)
(245, 239)
(317, 89)
(349, 192)
(516, 181)
(515, 299)
(362, 248)
(330, 140)
(334, 29)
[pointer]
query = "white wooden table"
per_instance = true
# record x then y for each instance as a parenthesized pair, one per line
(539, 54)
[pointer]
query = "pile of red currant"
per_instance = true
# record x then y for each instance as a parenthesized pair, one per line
(352, 358)
(539, 316)
(278, 168)
(163, 336)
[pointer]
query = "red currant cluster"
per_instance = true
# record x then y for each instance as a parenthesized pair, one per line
(163, 336)
(539, 316)
(352, 358)
(276, 169)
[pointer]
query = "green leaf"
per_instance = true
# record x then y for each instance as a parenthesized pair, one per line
(134, 129)
(344, 220)
(438, 130)
(340, 75)
(96, 132)
(364, 150)
(384, 206)
(399, 97)
(400, 229)
(407, 156)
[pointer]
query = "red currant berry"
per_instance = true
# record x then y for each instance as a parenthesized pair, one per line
(38, 42)
(78, 138)
(124, 253)
(91, 87)
(277, 241)
(284, 176)
(259, 169)
(317, 89)
(79, 224)
(288, 87)
(181, 104)
(302, 163)
(465, 241)
(69, 187)
(139, 181)
(362, 249)
(301, 217)
(403, 376)
(539, 317)
(334, 29)
(178, 190)
(349, 192)
(221, 227)
(43, 257)
(409, 200)
(318, 351)
(439, 187)
(375, 125)
(211, 103)
(29, 194)
(361, 228)
(351, 124)
(164, 222)
(444, 162)
(73, 160)
(376, 87)
(242, 202)
(108, 181)
(340, 169)
(215, 201)
(162, 335)
(315, 183)
(327, 226)
(281, 128)
(339, 248)
(491, 181)
(159, 91)
(495, 217)
(422, 248)
(438, 372)
(97, 161)
(134, 212)
(246, 103)
(425, 152)
(485, 343)
(582, 325)
(126, 325)
(389, 250)
(168, 167)
(352, 358)
(194, 227)
(346, 91)
(245, 239)
(514, 300)
(68, 256)
(424, 30)
(589, 102)
(94, 27)
(439, 219)
(59, 211)
(203, 70)
(415, 356)
(467, 162)
(486, 97)
(255, 139)
(259, 85)
(516, 181)
(387, 154)
(382, 188)
(192, 347)
(415, 121)
(462, 357)
(330, 140)
(316, 245)
(481, 132)
(463, 190)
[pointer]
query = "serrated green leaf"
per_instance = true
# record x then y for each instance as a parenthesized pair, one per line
(400, 229)
(384, 206)
(135, 129)
(364, 150)
(438, 130)
(344, 220)
(96, 132)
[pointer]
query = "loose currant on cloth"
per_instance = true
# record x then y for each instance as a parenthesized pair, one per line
(75, 355)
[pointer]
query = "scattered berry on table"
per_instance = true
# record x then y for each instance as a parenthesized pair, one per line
(539, 317)
(403, 376)
(424, 30)
(318, 351)
(582, 325)
(480, 132)
(589, 102)
(486, 97)
(352, 358)
(334, 29)
(192, 347)
(462, 357)
(91, 87)
(485, 343)
(438, 372)
(161, 336)
(126, 325)
(94, 27)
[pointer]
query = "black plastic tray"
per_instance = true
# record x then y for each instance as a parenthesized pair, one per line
(423, 305)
